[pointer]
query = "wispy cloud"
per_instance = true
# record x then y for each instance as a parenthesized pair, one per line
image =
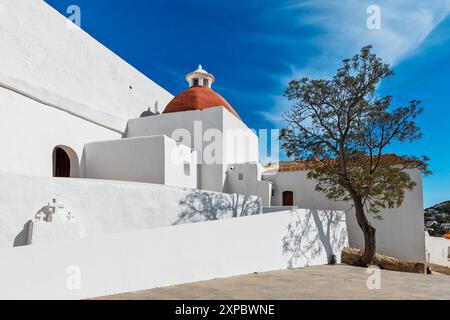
(340, 30)
(405, 24)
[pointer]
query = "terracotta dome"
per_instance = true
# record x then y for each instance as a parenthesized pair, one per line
(198, 98)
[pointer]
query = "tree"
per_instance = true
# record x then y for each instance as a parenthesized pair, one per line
(340, 128)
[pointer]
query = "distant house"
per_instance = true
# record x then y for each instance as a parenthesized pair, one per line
(430, 224)
(445, 226)
(443, 215)
(431, 211)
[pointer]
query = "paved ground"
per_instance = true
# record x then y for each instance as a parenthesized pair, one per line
(321, 282)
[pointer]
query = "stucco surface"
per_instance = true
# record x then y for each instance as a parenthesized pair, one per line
(399, 234)
(103, 206)
(246, 178)
(438, 250)
(154, 159)
(60, 87)
(29, 132)
(217, 135)
(158, 257)
(66, 68)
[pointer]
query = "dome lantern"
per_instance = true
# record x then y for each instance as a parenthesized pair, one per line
(200, 77)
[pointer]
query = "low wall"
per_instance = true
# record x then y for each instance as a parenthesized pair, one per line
(438, 250)
(87, 208)
(276, 209)
(166, 256)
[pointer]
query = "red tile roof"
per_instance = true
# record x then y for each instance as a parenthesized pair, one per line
(198, 98)
(309, 165)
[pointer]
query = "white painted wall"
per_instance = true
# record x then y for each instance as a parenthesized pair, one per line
(103, 207)
(42, 58)
(250, 182)
(173, 255)
(438, 250)
(29, 132)
(154, 159)
(60, 87)
(240, 145)
(180, 165)
(207, 130)
(399, 234)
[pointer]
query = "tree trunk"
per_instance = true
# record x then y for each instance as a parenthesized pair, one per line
(368, 231)
(353, 256)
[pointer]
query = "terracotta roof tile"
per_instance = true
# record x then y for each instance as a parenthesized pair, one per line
(198, 98)
(309, 165)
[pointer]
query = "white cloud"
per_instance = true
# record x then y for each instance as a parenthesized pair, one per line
(340, 30)
(405, 24)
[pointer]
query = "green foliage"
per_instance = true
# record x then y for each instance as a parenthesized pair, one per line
(343, 127)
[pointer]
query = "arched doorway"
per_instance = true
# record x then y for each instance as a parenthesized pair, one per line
(288, 198)
(61, 163)
(65, 162)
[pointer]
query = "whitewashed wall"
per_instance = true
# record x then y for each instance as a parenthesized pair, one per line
(240, 145)
(399, 234)
(236, 143)
(60, 87)
(438, 250)
(103, 207)
(155, 159)
(44, 59)
(251, 183)
(29, 132)
(174, 255)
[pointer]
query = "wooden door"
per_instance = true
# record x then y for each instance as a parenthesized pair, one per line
(288, 198)
(62, 164)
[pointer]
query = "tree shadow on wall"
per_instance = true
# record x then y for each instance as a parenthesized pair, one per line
(204, 206)
(314, 234)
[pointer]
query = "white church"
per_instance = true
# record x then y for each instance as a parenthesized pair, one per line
(107, 176)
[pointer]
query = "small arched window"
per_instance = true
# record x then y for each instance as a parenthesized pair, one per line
(195, 82)
(288, 198)
(206, 82)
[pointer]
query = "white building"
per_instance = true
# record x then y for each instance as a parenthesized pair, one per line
(438, 250)
(445, 226)
(430, 224)
(84, 141)
(443, 215)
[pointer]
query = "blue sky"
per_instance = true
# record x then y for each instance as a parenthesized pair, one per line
(255, 47)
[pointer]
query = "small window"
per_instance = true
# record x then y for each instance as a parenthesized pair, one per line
(240, 176)
(205, 82)
(195, 82)
(187, 169)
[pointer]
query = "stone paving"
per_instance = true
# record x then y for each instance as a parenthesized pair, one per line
(319, 282)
